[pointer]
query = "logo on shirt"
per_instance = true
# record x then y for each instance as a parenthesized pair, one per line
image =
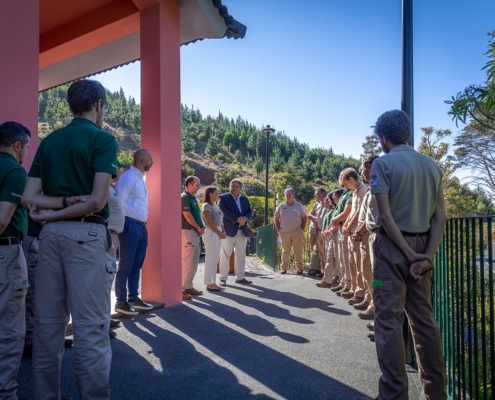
(15, 194)
(374, 179)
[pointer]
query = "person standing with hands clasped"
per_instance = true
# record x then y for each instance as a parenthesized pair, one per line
(214, 233)
(192, 229)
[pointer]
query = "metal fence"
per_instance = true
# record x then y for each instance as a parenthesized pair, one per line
(266, 245)
(464, 306)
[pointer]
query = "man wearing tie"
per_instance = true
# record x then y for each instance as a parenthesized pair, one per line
(236, 213)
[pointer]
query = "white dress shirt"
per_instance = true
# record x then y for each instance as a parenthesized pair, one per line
(133, 194)
(116, 219)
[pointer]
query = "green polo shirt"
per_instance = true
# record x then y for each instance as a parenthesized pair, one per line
(328, 216)
(34, 228)
(345, 199)
(12, 181)
(68, 159)
(189, 203)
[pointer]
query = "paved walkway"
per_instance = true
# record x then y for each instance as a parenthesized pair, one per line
(279, 338)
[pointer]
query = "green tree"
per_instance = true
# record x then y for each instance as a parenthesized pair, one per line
(212, 147)
(258, 165)
(371, 145)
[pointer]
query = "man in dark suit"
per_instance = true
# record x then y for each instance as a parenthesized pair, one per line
(236, 213)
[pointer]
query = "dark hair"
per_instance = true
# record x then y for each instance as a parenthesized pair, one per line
(346, 174)
(369, 159)
(209, 190)
(338, 192)
(83, 94)
(189, 180)
(329, 196)
(321, 190)
(11, 132)
(394, 125)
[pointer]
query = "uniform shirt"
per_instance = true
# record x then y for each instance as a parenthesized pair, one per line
(368, 213)
(314, 211)
(357, 198)
(117, 218)
(328, 216)
(412, 182)
(290, 216)
(345, 199)
(321, 215)
(216, 213)
(189, 203)
(133, 195)
(12, 181)
(34, 228)
(68, 159)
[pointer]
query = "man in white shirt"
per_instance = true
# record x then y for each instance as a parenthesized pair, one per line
(133, 194)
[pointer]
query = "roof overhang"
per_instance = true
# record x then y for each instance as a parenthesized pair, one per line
(102, 34)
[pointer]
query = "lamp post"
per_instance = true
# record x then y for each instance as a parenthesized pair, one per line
(267, 130)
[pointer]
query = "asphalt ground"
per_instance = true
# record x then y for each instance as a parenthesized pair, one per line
(279, 338)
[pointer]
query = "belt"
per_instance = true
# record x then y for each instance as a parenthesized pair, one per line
(136, 221)
(382, 231)
(9, 241)
(93, 219)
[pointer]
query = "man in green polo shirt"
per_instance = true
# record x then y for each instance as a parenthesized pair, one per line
(68, 189)
(14, 143)
(192, 229)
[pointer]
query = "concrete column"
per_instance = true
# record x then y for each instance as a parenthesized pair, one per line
(160, 123)
(19, 50)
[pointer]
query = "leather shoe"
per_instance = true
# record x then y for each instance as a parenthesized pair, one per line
(312, 271)
(283, 272)
(361, 306)
(347, 294)
(337, 288)
(217, 289)
(371, 336)
(324, 285)
(370, 326)
(243, 281)
(367, 314)
(193, 292)
(112, 335)
(355, 300)
(186, 296)
(114, 323)
(223, 283)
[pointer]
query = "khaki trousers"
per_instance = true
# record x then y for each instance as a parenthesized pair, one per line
(190, 257)
(13, 288)
(357, 285)
(30, 247)
(237, 244)
(366, 267)
(315, 259)
(295, 241)
(212, 255)
(345, 274)
(320, 245)
(372, 238)
(332, 258)
(395, 292)
(76, 268)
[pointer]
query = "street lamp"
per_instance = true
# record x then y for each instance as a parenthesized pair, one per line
(267, 130)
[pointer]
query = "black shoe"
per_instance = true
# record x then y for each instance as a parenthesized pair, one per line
(371, 336)
(370, 326)
(125, 308)
(319, 275)
(68, 343)
(139, 304)
(112, 334)
(312, 272)
(114, 323)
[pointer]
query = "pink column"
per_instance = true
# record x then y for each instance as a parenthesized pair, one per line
(19, 50)
(160, 122)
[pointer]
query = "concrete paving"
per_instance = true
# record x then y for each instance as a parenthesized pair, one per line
(279, 338)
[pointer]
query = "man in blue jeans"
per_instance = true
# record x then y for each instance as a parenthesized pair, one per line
(134, 238)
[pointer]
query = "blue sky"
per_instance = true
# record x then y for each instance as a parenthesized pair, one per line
(323, 71)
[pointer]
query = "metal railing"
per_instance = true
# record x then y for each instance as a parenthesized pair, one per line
(266, 245)
(464, 306)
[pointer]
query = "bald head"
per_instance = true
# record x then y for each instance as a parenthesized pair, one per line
(143, 160)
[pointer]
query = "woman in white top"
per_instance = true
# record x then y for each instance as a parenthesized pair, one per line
(213, 218)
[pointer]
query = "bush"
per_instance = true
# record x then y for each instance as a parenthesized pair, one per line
(126, 158)
(258, 208)
(252, 187)
(223, 178)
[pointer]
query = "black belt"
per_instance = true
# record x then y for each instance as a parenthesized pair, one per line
(382, 231)
(93, 219)
(9, 241)
(136, 221)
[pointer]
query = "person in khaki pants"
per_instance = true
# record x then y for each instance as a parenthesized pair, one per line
(290, 221)
(408, 189)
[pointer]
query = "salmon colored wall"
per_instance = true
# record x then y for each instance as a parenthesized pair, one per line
(19, 33)
(160, 124)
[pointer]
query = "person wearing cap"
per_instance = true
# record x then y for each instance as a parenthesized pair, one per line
(14, 143)
(290, 222)
(67, 188)
(412, 226)
(133, 196)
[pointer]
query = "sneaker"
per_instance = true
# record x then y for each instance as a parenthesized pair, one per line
(361, 306)
(125, 308)
(283, 272)
(355, 300)
(112, 334)
(140, 304)
(114, 323)
(324, 285)
(367, 314)
(370, 326)
(193, 292)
